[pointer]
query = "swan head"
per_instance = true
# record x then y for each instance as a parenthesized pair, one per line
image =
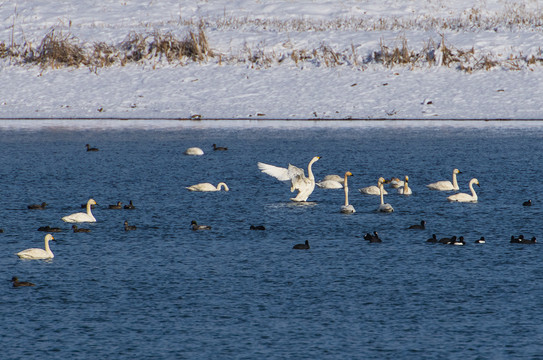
(348, 173)
(315, 159)
(91, 202)
(49, 237)
(381, 180)
(406, 178)
(475, 181)
(456, 171)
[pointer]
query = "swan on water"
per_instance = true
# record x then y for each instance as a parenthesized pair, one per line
(331, 182)
(81, 217)
(463, 197)
(347, 208)
(384, 207)
(446, 185)
(298, 180)
(396, 183)
(405, 189)
(374, 189)
(208, 187)
(194, 151)
(38, 254)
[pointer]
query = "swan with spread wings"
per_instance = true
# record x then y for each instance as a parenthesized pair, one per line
(298, 180)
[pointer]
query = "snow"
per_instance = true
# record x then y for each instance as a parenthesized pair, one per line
(232, 87)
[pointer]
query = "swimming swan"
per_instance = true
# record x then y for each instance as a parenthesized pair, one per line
(384, 207)
(304, 185)
(208, 187)
(374, 190)
(81, 217)
(347, 209)
(38, 254)
(194, 151)
(405, 189)
(463, 197)
(446, 185)
(331, 182)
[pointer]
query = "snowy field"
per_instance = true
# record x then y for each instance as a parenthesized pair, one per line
(279, 60)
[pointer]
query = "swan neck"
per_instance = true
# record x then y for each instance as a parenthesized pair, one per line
(473, 193)
(346, 189)
(221, 185)
(47, 249)
(309, 171)
(89, 209)
(455, 183)
(405, 187)
(381, 193)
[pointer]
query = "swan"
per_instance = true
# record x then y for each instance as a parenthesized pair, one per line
(208, 187)
(331, 182)
(446, 185)
(384, 207)
(37, 206)
(38, 254)
(17, 283)
(304, 185)
(396, 183)
(463, 197)
(405, 189)
(374, 189)
(194, 151)
(303, 246)
(347, 208)
(129, 227)
(82, 217)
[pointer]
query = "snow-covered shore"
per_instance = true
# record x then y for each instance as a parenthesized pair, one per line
(241, 89)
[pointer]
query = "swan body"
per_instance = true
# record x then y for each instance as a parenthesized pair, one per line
(405, 189)
(194, 151)
(82, 217)
(298, 180)
(374, 189)
(38, 254)
(446, 185)
(331, 182)
(208, 187)
(463, 197)
(347, 208)
(383, 207)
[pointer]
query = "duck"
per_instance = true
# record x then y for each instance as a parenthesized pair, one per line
(522, 240)
(458, 242)
(304, 246)
(208, 187)
(17, 283)
(130, 206)
(49, 229)
(116, 206)
(80, 230)
(447, 240)
(219, 148)
(463, 197)
(405, 189)
(433, 239)
(82, 217)
(481, 240)
(129, 227)
(89, 148)
(330, 182)
(257, 227)
(38, 254)
(37, 206)
(527, 203)
(384, 207)
(347, 208)
(194, 226)
(298, 181)
(369, 236)
(420, 226)
(446, 185)
(374, 189)
(194, 151)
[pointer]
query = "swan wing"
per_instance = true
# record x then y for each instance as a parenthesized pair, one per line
(329, 184)
(277, 172)
(441, 185)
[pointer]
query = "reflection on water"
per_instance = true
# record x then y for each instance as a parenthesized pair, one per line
(234, 292)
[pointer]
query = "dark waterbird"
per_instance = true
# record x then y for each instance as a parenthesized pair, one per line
(129, 227)
(481, 240)
(257, 227)
(89, 148)
(79, 230)
(522, 240)
(447, 240)
(303, 246)
(17, 283)
(194, 226)
(459, 242)
(49, 229)
(433, 239)
(37, 206)
(420, 226)
(219, 148)
(373, 238)
(129, 206)
(527, 203)
(116, 206)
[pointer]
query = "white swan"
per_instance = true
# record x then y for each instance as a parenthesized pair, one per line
(463, 197)
(396, 183)
(81, 217)
(374, 190)
(304, 185)
(208, 187)
(384, 207)
(405, 189)
(331, 182)
(194, 151)
(446, 185)
(38, 254)
(347, 208)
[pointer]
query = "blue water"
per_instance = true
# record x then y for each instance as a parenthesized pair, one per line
(164, 291)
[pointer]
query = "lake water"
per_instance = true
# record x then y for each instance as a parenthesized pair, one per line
(165, 291)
